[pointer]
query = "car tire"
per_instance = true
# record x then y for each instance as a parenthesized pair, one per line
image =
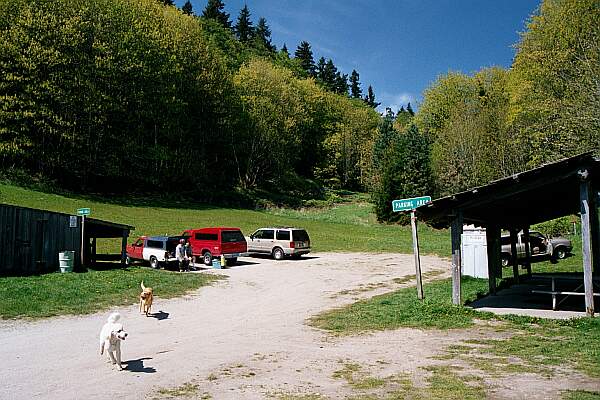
(128, 261)
(560, 253)
(278, 253)
(154, 262)
(207, 258)
(505, 260)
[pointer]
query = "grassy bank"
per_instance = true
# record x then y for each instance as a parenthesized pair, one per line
(83, 293)
(347, 227)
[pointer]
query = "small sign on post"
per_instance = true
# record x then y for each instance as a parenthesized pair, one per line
(411, 204)
(83, 211)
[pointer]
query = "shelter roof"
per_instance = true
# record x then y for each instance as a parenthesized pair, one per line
(543, 193)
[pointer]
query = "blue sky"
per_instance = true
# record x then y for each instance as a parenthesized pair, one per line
(398, 46)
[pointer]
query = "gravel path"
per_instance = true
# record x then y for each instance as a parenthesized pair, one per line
(242, 338)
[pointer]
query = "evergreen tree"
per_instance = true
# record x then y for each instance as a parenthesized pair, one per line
(329, 73)
(284, 50)
(305, 56)
(214, 10)
(403, 118)
(320, 69)
(402, 165)
(243, 29)
(341, 83)
(355, 90)
(370, 98)
(263, 34)
(167, 2)
(187, 8)
(410, 110)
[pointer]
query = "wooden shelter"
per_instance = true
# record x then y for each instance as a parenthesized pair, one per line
(566, 187)
(31, 239)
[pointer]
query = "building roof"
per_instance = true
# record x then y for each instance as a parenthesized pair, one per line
(543, 193)
(97, 224)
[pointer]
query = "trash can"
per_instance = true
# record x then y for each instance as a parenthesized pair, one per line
(65, 260)
(216, 263)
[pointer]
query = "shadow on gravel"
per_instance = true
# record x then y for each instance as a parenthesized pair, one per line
(269, 257)
(159, 315)
(138, 365)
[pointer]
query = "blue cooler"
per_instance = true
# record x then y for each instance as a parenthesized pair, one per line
(216, 263)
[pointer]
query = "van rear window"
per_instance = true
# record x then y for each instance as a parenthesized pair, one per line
(206, 236)
(232, 236)
(300, 235)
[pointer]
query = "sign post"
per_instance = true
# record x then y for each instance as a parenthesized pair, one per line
(412, 204)
(83, 212)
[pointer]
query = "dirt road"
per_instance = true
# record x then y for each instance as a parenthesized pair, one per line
(242, 338)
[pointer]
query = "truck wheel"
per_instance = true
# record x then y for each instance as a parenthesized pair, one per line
(207, 258)
(505, 260)
(128, 261)
(278, 253)
(560, 253)
(154, 262)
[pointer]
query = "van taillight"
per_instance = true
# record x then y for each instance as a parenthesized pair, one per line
(292, 245)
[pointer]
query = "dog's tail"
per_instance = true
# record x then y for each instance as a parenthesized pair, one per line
(142, 285)
(114, 317)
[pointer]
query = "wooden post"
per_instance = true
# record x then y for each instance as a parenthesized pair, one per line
(526, 241)
(415, 237)
(514, 261)
(490, 236)
(124, 247)
(94, 251)
(595, 227)
(456, 230)
(586, 240)
(82, 241)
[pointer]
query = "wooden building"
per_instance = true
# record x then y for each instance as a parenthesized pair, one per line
(31, 239)
(566, 187)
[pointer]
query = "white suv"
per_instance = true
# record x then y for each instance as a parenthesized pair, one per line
(279, 242)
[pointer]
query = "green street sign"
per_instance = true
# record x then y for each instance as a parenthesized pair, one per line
(410, 204)
(83, 211)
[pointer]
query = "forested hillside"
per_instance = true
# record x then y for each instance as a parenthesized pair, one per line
(120, 95)
(138, 95)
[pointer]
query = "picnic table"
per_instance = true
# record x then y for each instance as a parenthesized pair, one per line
(554, 278)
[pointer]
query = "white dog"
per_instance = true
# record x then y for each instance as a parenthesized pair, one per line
(110, 338)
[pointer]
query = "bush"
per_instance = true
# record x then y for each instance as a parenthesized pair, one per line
(556, 227)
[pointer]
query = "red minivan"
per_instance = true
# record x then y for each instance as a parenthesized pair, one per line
(214, 242)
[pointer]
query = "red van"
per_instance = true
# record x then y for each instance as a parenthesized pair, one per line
(214, 242)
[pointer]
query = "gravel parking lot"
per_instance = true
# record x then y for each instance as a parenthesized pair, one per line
(242, 338)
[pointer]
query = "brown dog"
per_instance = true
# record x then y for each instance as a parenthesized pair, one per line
(146, 299)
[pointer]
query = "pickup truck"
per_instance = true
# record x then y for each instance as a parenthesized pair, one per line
(156, 250)
(539, 245)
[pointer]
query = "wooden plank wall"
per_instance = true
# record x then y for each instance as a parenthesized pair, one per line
(30, 240)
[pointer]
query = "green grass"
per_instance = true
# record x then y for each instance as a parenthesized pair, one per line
(580, 395)
(542, 344)
(347, 227)
(442, 383)
(401, 308)
(83, 293)
(539, 344)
